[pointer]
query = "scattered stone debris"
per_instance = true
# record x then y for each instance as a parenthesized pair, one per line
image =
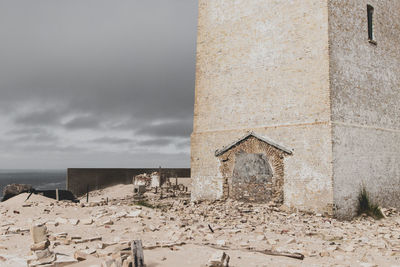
(40, 247)
(171, 227)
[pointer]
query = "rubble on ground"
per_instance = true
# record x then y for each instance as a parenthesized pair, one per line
(172, 227)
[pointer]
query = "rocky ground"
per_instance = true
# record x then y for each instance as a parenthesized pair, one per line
(176, 232)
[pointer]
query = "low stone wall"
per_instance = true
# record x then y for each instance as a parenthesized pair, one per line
(78, 180)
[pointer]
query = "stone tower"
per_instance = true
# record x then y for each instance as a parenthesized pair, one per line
(298, 101)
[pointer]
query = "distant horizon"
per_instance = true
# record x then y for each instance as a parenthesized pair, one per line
(8, 170)
(65, 169)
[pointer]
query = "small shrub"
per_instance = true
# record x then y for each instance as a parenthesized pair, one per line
(365, 206)
(144, 203)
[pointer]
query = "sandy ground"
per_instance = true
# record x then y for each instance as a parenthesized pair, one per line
(237, 228)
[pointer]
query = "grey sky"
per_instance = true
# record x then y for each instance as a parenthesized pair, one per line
(96, 83)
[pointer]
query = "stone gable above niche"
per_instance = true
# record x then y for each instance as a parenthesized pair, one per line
(253, 169)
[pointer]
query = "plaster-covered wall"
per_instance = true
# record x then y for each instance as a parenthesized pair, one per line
(262, 66)
(365, 85)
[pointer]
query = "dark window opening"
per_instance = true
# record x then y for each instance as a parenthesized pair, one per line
(370, 10)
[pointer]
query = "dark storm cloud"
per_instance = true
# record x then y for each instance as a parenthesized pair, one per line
(43, 117)
(112, 140)
(156, 142)
(184, 143)
(181, 128)
(127, 57)
(83, 122)
(46, 148)
(28, 135)
(36, 138)
(100, 65)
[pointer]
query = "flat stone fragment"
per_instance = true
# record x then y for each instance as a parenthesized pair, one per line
(73, 221)
(41, 254)
(87, 221)
(40, 246)
(38, 233)
(80, 255)
(219, 259)
(64, 260)
(134, 214)
(61, 220)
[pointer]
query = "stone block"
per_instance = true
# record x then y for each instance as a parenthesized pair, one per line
(42, 254)
(219, 259)
(40, 246)
(38, 233)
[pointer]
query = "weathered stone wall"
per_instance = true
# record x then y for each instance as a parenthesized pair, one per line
(263, 66)
(365, 85)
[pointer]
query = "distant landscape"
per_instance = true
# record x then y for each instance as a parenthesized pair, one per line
(39, 179)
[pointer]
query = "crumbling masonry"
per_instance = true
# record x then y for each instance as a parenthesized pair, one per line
(320, 77)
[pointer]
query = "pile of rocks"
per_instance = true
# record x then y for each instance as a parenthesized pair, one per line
(41, 254)
(40, 247)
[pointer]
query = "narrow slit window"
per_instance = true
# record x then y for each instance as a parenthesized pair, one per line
(370, 10)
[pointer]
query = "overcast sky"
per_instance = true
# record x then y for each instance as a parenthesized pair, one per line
(96, 83)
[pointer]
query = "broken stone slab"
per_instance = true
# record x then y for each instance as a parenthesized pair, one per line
(12, 223)
(87, 221)
(152, 228)
(291, 241)
(261, 237)
(95, 238)
(219, 259)
(90, 251)
(17, 230)
(108, 263)
(73, 221)
(44, 253)
(38, 233)
(128, 262)
(221, 243)
(91, 239)
(348, 248)
(42, 261)
(60, 220)
(40, 246)
(106, 222)
(104, 245)
(134, 214)
(60, 235)
(113, 249)
(80, 255)
(119, 215)
(53, 223)
(63, 260)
